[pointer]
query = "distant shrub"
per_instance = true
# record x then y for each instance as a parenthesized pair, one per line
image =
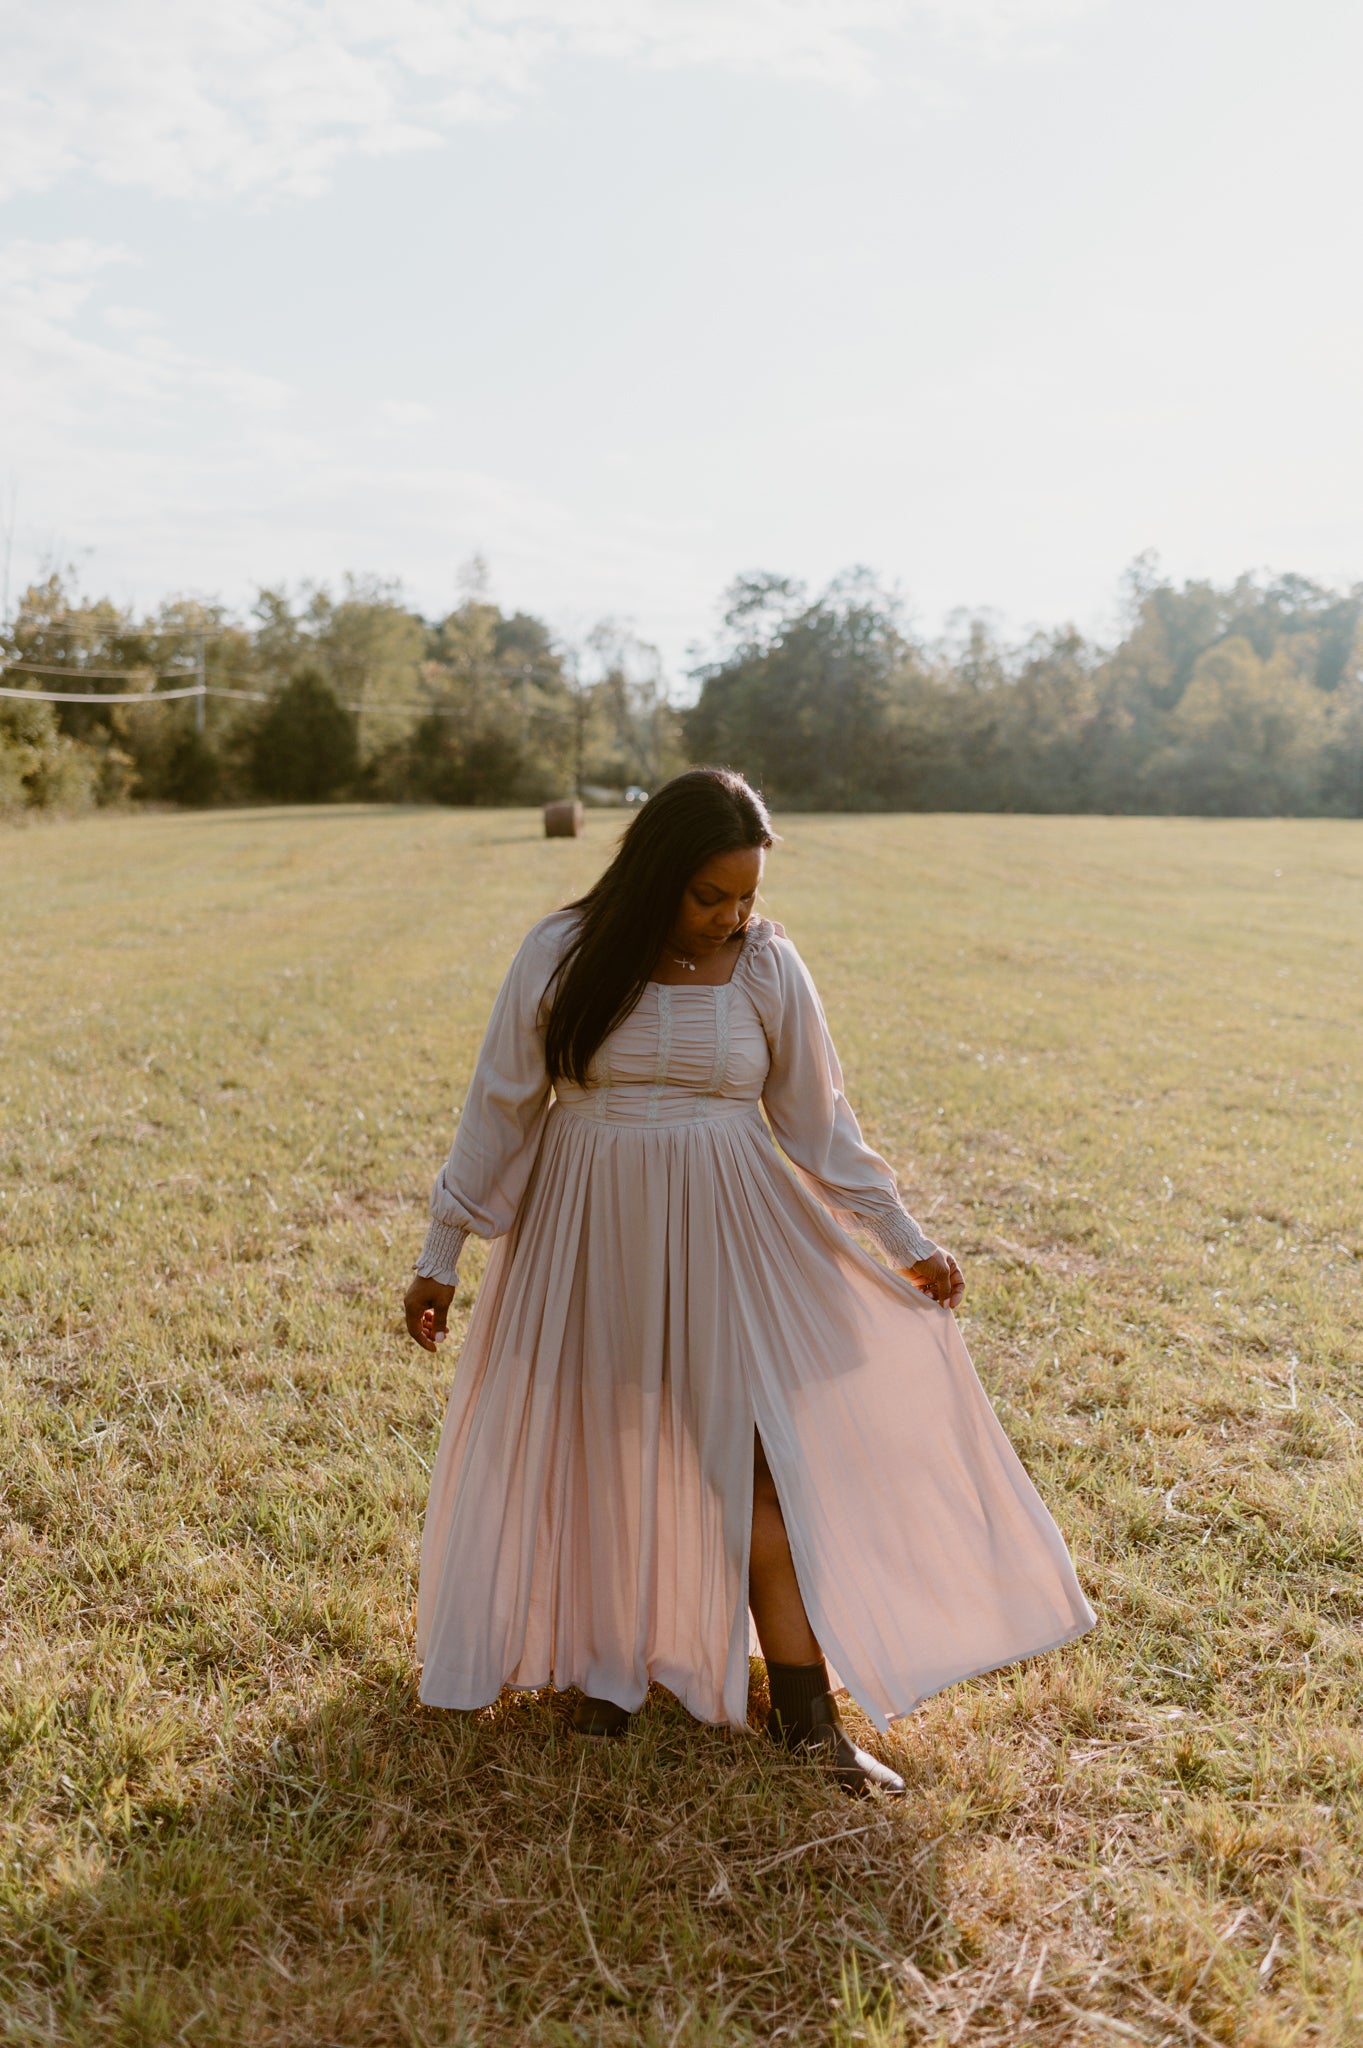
(305, 747)
(478, 767)
(40, 768)
(172, 761)
(194, 772)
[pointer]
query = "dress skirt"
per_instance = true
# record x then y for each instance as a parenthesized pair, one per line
(668, 1290)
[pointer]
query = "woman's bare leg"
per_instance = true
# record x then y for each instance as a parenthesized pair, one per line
(773, 1594)
(804, 1713)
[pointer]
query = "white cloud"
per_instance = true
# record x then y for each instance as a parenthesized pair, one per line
(101, 409)
(406, 412)
(131, 319)
(142, 457)
(55, 377)
(191, 98)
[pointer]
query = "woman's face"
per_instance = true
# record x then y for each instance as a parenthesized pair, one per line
(718, 900)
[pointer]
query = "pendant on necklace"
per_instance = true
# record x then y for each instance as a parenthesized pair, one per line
(681, 961)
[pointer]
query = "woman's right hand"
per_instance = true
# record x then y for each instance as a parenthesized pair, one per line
(427, 1307)
(940, 1276)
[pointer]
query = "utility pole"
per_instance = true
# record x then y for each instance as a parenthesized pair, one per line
(9, 550)
(200, 679)
(580, 709)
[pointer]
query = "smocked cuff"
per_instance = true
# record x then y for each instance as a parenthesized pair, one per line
(440, 1254)
(899, 1237)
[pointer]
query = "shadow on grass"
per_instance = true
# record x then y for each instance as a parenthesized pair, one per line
(383, 1872)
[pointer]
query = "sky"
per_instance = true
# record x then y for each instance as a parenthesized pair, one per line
(631, 296)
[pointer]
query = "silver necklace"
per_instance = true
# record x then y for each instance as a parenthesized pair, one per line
(682, 961)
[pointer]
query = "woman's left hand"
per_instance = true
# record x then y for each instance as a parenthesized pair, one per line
(427, 1307)
(940, 1276)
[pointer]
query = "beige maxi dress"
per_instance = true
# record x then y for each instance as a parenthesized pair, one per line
(662, 1286)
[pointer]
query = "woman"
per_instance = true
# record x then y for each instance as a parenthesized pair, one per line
(686, 1393)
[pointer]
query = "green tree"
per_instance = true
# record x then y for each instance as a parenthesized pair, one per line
(812, 699)
(500, 728)
(61, 642)
(372, 649)
(633, 735)
(304, 747)
(41, 767)
(183, 752)
(1053, 708)
(1247, 737)
(1342, 764)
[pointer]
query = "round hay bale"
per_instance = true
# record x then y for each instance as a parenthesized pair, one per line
(563, 820)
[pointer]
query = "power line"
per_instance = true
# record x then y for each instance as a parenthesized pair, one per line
(99, 696)
(81, 630)
(199, 690)
(132, 697)
(117, 675)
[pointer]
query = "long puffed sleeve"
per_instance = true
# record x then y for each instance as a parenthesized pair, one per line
(485, 1176)
(812, 1119)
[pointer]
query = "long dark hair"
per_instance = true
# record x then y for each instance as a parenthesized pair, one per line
(628, 914)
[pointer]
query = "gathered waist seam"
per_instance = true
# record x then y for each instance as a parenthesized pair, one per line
(587, 1111)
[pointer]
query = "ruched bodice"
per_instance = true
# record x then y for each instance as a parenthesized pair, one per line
(682, 1055)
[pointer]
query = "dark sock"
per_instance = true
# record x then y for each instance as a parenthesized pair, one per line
(796, 1691)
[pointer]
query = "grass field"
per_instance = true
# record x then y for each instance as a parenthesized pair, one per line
(1118, 1066)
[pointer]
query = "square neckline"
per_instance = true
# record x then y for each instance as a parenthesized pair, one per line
(709, 987)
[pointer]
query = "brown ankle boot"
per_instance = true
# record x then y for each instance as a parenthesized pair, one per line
(601, 1719)
(804, 1715)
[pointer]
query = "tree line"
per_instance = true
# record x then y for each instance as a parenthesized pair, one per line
(1243, 699)
(317, 695)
